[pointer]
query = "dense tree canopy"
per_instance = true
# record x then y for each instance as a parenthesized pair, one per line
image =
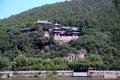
(97, 20)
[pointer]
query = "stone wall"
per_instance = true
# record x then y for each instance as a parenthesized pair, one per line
(26, 74)
(64, 38)
(104, 74)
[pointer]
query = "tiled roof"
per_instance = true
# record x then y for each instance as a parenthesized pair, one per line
(56, 24)
(44, 22)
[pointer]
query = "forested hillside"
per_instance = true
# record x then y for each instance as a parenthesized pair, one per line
(97, 20)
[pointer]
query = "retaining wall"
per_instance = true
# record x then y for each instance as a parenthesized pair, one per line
(104, 74)
(26, 74)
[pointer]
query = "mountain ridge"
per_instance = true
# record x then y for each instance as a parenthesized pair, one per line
(57, 11)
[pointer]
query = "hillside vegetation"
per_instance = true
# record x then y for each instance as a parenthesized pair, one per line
(97, 20)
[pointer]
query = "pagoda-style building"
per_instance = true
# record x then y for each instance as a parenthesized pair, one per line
(28, 30)
(65, 31)
(43, 22)
(59, 32)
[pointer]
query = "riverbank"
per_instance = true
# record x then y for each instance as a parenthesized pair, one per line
(59, 78)
(60, 73)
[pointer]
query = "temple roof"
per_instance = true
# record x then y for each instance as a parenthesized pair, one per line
(56, 24)
(44, 22)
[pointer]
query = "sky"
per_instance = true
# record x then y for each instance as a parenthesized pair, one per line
(12, 7)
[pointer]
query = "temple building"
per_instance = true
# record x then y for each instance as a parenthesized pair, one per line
(65, 31)
(58, 31)
(43, 22)
(28, 30)
(57, 25)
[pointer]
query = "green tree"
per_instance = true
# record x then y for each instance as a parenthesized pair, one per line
(96, 61)
(4, 63)
(20, 62)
